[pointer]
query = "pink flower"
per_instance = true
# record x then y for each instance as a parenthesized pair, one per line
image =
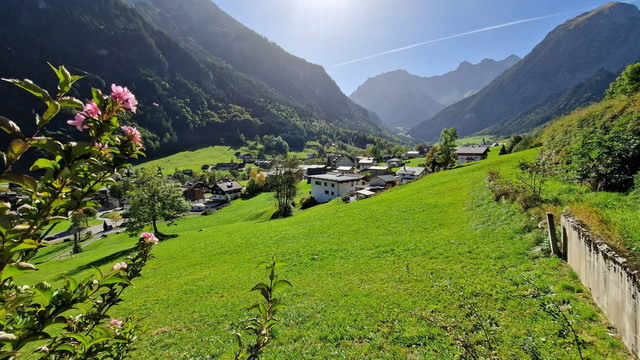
(119, 266)
(79, 118)
(124, 97)
(91, 109)
(132, 133)
(113, 323)
(100, 146)
(149, 238)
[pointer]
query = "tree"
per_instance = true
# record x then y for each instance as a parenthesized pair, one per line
(398, 151)
(627, 83)
(154, 199)
(39, 312)
(430, 160)
(79, 221)
(445, 155)
(420, 148)
(285, 185)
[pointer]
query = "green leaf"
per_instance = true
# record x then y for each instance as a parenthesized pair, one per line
(54, 108)
(14, 269)
(10, 128)
(72, 284)
(116, 279)
(44, 164)
(47, 144)
(98, 97)
(25, 245)
(17, 147)
(36, 90)
(280, 283)
(68, 101)
(65, 347)
(25, 181)
(239, 341)
(81, 148)
(277, 306)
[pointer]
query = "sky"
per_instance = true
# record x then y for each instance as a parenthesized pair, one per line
(358, 39)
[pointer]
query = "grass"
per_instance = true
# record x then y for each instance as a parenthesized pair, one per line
(380, 278)
(194, 159)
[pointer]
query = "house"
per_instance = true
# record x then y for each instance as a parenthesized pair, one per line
(313, 169)
(229, 166)
(247, 158)
(411, 154)
(384, 181)
(467, 154)
(379, 170)
(364, 194)
(395, 162)
(327, 187)
(366, 162)
(103, 196)
(346, 169)
(226, 190)
(340, 160)
(410, 173)
(193, 194)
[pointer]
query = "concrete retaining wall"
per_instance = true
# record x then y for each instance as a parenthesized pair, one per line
(614, 285)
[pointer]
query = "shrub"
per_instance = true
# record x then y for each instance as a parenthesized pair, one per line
(307, 202)
(208, 212)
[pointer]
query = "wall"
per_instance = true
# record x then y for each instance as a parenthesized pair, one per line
(614, 284)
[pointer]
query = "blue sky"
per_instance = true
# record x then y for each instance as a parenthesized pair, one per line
(358, 39)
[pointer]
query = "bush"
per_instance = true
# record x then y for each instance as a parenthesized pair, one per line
(307, 202)
(208, 212)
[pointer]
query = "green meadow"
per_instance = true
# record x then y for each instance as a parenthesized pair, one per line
(421, 271)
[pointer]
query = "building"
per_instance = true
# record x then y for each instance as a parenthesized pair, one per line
(410, 173)
(467, 154)
(335, 161)
(229, 166)
(313, 169)
(411, 154)
(346, 170)
(379, 170)
(366, 162)
(383, 181)
(395, 162)
(327, 187)
(226, 190)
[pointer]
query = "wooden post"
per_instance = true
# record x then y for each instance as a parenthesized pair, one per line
(553, 240)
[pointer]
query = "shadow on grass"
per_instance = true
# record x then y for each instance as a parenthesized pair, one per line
(97, 263)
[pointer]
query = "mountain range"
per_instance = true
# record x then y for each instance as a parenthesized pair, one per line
(570, 68)
(402, 99)
(201, 77)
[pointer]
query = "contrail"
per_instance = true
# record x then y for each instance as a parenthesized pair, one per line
(454, 36)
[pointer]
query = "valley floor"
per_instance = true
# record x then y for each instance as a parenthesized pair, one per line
(430, 270)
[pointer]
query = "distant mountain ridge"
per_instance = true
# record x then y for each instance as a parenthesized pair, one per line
(404, 100)
(570, 68)
(189, 92)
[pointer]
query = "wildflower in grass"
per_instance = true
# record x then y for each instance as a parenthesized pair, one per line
(149, 238)
(124, 97)
(132, 133)
(119, 266)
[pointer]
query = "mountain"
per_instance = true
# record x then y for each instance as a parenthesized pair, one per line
(190, 92)
(570, 68)
(404, 100)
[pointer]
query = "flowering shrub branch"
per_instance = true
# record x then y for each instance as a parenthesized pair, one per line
(72, 172)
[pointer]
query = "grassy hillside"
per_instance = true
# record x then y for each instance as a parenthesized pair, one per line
(411, 273)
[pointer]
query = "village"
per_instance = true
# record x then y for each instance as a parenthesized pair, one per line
(348, 178)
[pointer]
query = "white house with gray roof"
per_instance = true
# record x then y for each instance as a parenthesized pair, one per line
(410, 173)
(327, 187)
(467, 154)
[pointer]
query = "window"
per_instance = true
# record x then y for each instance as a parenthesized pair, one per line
(333, 185)
(325, 184)
(326, 192)
(317, 182)
(332, 193)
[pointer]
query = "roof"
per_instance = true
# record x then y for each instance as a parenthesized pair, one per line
(413, 152)
(365, 192)
(386, 178)
(337, 177)
(367, 160)
(229, 185)
(379, 167)
(344, 168)
(410, 170)
(394, 160)
(472, 150)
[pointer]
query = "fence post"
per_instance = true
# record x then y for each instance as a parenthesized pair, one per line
(553, 240)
